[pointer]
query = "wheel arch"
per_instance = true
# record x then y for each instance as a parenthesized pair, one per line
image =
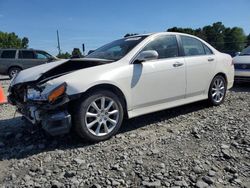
(13, 66)
(219, 73)
(114, 89)
(223, 75)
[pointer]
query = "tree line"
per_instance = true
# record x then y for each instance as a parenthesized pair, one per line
(224, 39)
(11, 40)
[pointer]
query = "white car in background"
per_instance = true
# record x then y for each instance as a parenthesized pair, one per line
(242, 65)
(123, 79)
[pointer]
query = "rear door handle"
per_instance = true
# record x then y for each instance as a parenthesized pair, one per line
(178, 64)
(210, 59)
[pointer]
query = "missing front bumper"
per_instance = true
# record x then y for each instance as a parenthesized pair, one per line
(53, 122)
(57, 123)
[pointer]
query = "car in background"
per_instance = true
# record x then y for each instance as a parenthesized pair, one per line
(13, 61)
(242, 66)
(126, 78)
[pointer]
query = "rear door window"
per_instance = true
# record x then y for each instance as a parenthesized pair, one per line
(8, 54)
(192, 46)
(166, 46)
(26, 54)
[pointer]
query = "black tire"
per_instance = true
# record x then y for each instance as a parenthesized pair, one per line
(211, 100)
(13, 70)
(81, 108)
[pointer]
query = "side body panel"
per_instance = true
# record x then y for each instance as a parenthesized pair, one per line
(200, 70)
(225, 66)
(158, 81)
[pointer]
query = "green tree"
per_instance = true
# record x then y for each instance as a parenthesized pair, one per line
(25, 42)
(229, 40)
(182, 30)
(130, 34)
(65, 55)
(76, 53)
(215, 35)
(234, 39)
(11, 40)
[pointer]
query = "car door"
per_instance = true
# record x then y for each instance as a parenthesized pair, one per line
(42, 57)
(162, 80)
(26, 58)
(200, 63)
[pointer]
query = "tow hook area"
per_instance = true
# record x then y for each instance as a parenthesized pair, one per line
(57, 123)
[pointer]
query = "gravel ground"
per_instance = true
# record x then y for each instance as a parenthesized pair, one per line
(189, 146)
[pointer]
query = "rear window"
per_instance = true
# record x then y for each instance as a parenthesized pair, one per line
(8, 54)
(26, 54)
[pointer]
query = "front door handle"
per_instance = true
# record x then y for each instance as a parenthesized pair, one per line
(178, 64)
(210, 59)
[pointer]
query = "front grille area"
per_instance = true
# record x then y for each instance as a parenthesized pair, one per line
(242, 66)
(18, 93)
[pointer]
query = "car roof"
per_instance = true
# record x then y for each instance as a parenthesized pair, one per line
(159, 33)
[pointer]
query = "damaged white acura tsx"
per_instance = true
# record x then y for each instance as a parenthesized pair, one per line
(123, 79)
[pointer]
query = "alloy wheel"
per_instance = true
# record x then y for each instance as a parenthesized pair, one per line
(218, 90)
(102, 116)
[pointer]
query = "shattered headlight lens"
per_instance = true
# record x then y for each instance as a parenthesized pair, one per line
(35, 95)
(49, 93)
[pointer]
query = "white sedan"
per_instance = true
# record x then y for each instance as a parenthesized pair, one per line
(123, 79)
(242, 66)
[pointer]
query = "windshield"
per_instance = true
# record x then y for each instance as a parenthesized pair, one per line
(246, 51)
(117, 49)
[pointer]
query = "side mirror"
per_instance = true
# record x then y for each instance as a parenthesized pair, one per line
(147, 56)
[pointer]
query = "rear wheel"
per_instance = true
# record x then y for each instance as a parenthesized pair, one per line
(217, 90)
(13, 71)
(99, 116)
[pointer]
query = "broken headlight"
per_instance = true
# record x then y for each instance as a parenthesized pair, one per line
(35, 95)
(50, 93)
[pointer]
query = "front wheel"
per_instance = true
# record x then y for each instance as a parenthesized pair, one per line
(217, 90)
(98, 116)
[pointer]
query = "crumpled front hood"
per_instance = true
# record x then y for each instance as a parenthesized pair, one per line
(50, 71)
(34, 73)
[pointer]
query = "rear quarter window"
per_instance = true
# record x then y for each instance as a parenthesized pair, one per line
(8, 54)
(207, 50)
